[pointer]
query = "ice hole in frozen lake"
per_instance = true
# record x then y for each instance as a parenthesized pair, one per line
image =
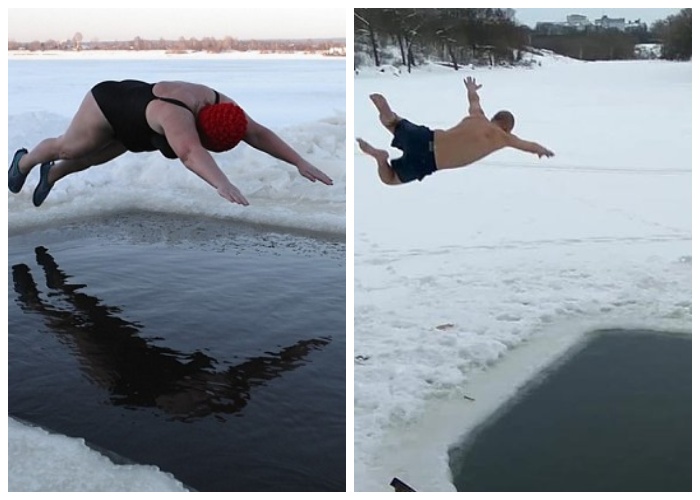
(613, 414)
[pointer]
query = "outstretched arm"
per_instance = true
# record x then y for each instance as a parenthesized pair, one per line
(528, 147)
(182, 136)
(265, 140)
(200, 161)
(474, 105)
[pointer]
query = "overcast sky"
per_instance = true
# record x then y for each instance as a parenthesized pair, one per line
(531, 16)
(25, 25)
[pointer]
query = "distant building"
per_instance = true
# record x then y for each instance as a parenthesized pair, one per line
(606, 22)
(573, 21)
(577, 21)
(635, 25)
(581, 23)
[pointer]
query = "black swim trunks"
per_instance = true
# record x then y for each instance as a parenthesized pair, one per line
(124, 106)
(417, 144)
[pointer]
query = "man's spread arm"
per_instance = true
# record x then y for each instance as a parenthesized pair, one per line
(527, 146)
(473, 97)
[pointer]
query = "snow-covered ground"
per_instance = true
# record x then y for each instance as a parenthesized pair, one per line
(43, 461)
(301, 97)
(468, 283)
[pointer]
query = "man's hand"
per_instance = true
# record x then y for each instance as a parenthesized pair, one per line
(307, 170)
(529, 147)
(232, 194)
(471, 85)
(473, 97)
(541, 151)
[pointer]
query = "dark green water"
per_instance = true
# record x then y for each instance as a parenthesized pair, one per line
(614, 416)
(213, 350)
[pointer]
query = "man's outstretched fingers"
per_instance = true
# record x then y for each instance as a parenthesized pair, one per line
(471, 84)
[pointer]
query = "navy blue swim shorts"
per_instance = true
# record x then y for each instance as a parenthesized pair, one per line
(417, 144)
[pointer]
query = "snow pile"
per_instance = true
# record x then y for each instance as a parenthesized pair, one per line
(279, 196)
(41, 461)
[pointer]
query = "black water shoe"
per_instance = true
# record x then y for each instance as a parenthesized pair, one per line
(15, 177)
(44, 187)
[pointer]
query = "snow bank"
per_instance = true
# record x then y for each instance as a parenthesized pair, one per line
(41, 461)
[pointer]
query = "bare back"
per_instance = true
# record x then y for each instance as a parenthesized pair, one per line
(193, 95)
(470, 140)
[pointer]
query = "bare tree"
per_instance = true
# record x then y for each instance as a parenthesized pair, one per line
(364, 25)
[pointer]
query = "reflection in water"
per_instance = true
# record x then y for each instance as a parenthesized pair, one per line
(135, 372)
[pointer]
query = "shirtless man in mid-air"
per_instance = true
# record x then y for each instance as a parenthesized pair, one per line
(426, 151)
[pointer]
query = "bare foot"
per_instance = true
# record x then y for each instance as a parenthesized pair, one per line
(378, 154)
(386, 115)
(386, 173)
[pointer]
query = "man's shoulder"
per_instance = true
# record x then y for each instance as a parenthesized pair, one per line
(475, 121)
(471, 125)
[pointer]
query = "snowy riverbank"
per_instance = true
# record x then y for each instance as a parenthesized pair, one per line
(467, 283)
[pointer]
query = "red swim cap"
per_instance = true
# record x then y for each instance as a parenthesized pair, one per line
(221, 126)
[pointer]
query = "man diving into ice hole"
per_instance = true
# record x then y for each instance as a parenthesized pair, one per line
(426, 151)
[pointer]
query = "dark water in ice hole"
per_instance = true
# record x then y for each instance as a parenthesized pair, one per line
(613, 416)
(213, 350)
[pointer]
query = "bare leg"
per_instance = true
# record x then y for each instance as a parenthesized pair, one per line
(66, 167)
(386, 173)
(88, 133)
(386, 115)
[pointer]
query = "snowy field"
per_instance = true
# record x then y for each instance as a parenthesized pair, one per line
(300, 98)
(468, 283)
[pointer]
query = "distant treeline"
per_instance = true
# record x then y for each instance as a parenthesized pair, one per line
(493, 36)
(676, 33)
(590, 45)
(460, 36)
(213, 45)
